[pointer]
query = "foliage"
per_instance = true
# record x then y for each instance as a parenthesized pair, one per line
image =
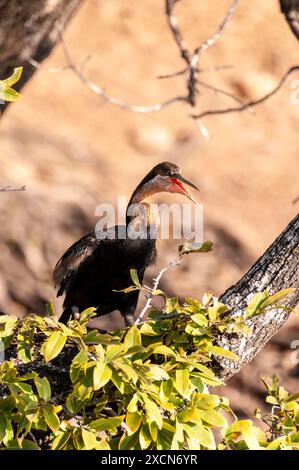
(145, 387)
(7, 93)
(282, 423)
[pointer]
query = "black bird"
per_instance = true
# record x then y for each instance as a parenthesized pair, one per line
(93, 269)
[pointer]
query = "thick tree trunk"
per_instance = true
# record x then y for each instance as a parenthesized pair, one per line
(30, 29)
(290, 8)
(277, 269)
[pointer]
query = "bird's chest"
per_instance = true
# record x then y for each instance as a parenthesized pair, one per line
(137, 252)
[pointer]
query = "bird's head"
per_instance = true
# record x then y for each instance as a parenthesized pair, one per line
(164, 177)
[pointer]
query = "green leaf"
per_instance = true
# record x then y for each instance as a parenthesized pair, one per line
(128, 370)
(217, 351)
(145, 437)
(212, 417)
(239, 426)
(157, 373)
(9, 94)
(89, 439)
(165, 350)
(6, 431)
(101, 375)
(255, 304)
(103, 445)
(118, 381)
(53, 345)
(193, 247)
(216, 310)
(50, 309)
(51, 417)
(152, 411)
(133, 421)
(94, 337)
(150, 329)
(129, 442)
(13, 78)
(113, 352)
(182, 382)
(273, 299)
(134, 277)
(206, 401)
(200, 319)
(274, 445)
(201, 434)
(87, 314)
(61, 440)
(271, 400)
(251, 438)
(171, 304)
(43, 387)
(132, 338)
(107, 424)
(166, 389)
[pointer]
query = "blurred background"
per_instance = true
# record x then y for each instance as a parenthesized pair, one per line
(72, 151)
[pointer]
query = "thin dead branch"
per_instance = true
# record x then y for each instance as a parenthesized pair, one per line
(7, 189)
(249, 104)
(191, 70)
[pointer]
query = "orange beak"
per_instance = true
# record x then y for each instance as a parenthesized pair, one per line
(178, 186)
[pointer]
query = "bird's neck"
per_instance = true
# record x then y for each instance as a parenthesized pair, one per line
(142, 217)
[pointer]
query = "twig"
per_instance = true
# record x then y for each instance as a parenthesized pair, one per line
(177, 35)
(201, 70)
(39, 66)
(221, 92)
(154, 288)
(192, 71)
(249, 104)
(9, 189)
(218, 33)
(100, 92)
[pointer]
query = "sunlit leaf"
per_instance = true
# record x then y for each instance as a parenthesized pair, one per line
(14, 78)
(193, 247)
(53, 345)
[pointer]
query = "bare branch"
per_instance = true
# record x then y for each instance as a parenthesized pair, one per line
(7, 189)
(249, 104)
(192, 71)
(221, 92)
(173, 25)
(99, 91)
(218, 33)
(154, 288)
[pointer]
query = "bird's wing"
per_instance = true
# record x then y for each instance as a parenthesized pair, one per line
(73, 259)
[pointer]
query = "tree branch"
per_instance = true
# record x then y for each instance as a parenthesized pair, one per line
(30, 30)
(290, 8)
(250, 104)
(277, 269)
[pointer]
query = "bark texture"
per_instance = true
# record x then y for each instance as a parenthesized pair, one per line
(290, 8)
(30, 29)
(277, 269)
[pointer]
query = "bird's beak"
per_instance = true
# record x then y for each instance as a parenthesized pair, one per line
(179, 181)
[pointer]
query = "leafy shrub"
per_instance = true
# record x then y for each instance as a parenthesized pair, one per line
(145, 387)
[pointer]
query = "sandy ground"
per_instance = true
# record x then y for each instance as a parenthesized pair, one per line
(72, 151)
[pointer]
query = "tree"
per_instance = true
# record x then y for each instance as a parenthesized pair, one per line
(30, 30)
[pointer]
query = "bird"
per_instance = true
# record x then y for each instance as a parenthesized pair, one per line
(95, 270)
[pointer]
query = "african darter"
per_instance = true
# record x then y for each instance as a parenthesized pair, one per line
(94, 269)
